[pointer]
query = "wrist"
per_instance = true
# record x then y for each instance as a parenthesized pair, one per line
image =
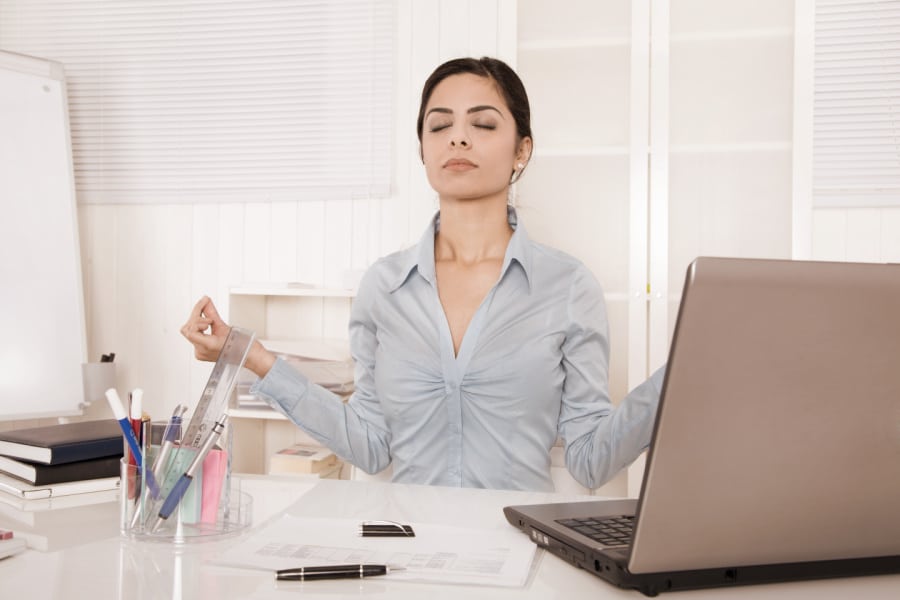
(259, 360)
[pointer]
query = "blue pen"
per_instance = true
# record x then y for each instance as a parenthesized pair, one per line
(171, 435)
(112, 396)
(185, 480)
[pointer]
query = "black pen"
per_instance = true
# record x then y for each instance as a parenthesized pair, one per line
(334, 572)
(386, 529)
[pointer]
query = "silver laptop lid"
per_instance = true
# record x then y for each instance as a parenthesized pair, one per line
(778, 436)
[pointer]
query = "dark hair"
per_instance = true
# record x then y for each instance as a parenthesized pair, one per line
(508, 83)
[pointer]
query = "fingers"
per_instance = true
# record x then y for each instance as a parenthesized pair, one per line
(204, 316)
(195, 327)
(200, 306)
(204, 313)
(205, 329)
(209, 310)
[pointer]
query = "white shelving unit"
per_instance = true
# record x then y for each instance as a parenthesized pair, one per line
(291, 319)
(663, 131)
(576, 194)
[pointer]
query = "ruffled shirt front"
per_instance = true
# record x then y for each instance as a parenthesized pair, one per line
(531, 368)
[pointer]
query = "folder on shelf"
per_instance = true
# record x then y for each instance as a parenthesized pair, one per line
(333, 374)
(301, 458)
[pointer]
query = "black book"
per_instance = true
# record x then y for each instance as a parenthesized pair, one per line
(64, 443)
(39, 474)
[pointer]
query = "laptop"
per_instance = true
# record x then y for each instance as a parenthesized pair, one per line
(775, 455)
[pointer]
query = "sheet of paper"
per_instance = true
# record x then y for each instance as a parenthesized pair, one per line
(438, 553)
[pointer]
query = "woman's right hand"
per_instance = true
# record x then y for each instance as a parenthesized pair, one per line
(207, 332)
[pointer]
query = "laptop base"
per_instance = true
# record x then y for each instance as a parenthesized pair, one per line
(610, 566)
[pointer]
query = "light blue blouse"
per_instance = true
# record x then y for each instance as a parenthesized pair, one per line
(532, 367)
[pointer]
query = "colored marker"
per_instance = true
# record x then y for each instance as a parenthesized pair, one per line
(135, 400)
(136, 410)
(184, 482)
(115, 403)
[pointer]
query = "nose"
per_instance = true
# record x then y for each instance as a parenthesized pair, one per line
(459, 138)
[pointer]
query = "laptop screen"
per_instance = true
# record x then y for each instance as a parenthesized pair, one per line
(778, 433)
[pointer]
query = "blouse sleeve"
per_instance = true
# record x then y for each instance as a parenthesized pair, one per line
(599, 439)
(356, 430)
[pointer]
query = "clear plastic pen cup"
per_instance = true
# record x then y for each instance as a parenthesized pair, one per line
(158, 501)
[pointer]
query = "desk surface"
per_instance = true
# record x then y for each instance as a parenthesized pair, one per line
(94, 562)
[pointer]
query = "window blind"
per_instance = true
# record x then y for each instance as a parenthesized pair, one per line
(856, 114)
(218, 100)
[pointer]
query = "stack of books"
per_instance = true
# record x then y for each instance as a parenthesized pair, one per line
(304, 459)
(60, 460)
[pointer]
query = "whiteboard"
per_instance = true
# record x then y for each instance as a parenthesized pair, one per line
(42, 328)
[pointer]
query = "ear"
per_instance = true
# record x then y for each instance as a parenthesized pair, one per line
(523, 153)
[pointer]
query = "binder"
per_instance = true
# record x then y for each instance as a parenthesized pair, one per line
(64, 443)
(41, 474)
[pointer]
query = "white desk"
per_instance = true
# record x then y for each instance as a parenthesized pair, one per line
(101, 565)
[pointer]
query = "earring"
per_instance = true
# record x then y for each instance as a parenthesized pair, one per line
(520, 166)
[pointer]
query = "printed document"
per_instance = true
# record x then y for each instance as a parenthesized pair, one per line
(437, 553)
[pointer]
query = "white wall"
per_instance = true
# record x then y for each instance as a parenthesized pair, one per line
(145, 265)
(856, 234)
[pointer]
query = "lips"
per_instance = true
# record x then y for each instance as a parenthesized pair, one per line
(459, 164)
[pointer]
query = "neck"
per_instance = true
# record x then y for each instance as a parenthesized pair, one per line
(472, 231)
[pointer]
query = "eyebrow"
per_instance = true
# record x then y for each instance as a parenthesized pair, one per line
(474, 109)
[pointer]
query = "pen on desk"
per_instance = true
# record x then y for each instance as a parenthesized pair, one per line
(385, 529)
(334, 572)
(115, 403)
(171, 435)
(185, 480)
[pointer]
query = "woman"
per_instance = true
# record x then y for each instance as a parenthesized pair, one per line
(476, 349)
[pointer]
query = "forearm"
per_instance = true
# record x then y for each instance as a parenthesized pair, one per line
(618, 438)
(325, 417)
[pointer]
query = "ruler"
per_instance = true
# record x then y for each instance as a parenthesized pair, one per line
(214, 399)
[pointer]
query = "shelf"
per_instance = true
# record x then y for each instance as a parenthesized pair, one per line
(735, 147)
(703, 148)
(314, 348)
(730, 36)
(268, 289)
(256, 413)
(570, 151)
(283, 315)
(536, 45)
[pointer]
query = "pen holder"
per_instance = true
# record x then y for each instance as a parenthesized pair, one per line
(96, 378)
(202, 507)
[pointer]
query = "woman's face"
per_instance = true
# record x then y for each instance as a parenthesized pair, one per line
(469, 139)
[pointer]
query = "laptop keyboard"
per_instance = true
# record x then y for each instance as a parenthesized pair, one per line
(607, 531)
